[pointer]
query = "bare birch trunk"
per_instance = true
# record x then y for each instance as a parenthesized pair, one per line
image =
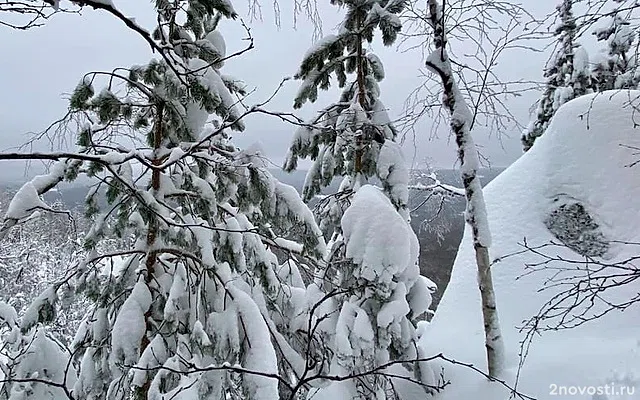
(475, 214)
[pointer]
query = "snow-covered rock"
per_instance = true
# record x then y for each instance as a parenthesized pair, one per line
(584, 163)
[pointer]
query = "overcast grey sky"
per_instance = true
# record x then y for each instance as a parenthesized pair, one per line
(39, 66)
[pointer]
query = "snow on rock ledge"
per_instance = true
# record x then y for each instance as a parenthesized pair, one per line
(584, 157)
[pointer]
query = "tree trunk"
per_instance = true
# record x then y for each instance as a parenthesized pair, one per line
(475, 214)
(155, 186)
(152, 234)
(361, 96)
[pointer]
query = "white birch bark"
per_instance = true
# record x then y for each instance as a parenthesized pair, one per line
(476, 213)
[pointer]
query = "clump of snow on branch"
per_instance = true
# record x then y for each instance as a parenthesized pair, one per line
(378, 239)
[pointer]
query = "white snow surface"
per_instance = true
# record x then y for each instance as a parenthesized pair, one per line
(217, 40)
(378, 238)
(392, 170)
(129, 327)
(25, 202)
(44, 359)
(580, 61)
(582, 156)
(260, 356)
(320, 45)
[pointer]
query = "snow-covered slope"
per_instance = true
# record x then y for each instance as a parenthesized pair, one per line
(586, 157)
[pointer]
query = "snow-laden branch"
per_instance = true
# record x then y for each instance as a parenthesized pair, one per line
(114, 158)
(382, 370)
(438, 187)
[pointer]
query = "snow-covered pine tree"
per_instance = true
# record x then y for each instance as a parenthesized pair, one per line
(567, 73)
(384, 298)
(33, 364)
(345, 138)
(186, 311)
(372, 257)
(618, 67)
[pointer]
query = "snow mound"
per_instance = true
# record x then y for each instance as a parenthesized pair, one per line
(582, 169)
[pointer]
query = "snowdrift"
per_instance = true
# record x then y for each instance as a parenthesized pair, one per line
(577, 186)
